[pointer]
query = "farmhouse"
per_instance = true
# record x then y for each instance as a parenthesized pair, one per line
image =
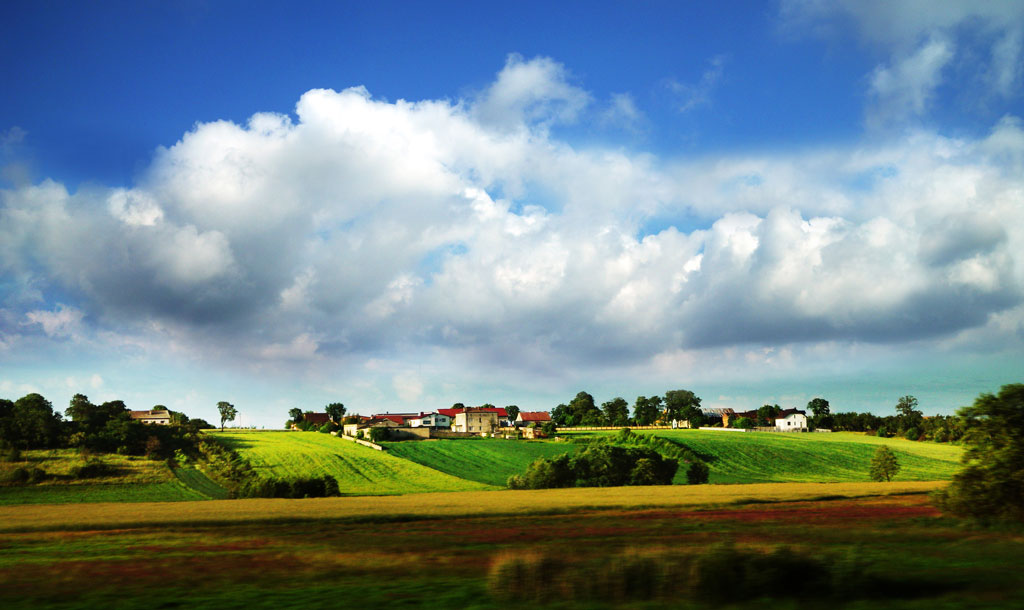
(151, 417)
(476, 420)
(725, 413)
(796, 421)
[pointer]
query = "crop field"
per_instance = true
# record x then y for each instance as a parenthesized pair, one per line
(489, 461)
(359, 470)
(153, 556)
(764, 457)
(134, 479)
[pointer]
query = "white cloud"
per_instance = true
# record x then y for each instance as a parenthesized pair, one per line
(62, 322)
(905, 88)
(531, 91)
(699, 94)
(408, 386)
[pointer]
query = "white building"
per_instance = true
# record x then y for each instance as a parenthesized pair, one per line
(431, 420)
(794, 422)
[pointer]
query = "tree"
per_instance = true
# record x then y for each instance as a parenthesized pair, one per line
(682, 405)
(583, 410)
(560, 415)
(646, 410)
(884, 465)
(819, 407)
(766, 414)
(295, 415)
(227, 412)
(335, 411)
(91, 418)
(616, 411)
(512, 411)
(33, 423)
(909, 415)
(990, 487)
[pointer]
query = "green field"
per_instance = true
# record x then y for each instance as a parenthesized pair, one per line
(359, 470)
(135, 479)
(489, 461)
(766, 457)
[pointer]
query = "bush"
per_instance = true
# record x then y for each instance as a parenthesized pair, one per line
(378, 434)
(10, 453)
(598, 466)
(697, 473)
(22, 475)
(912, 434)
(92, 468)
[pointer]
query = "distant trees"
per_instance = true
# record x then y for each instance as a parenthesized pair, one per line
(512, 411)
(335, 411)
(990, 487)
(227, 411)
(598, 466)
(766, 414)
(30, 423)
(884, 464)
(821, 413)
(295, 415)
(616, 412)
(646, 410)
(682, 405)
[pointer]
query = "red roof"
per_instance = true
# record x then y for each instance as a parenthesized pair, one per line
(534, 416)
(316, 418)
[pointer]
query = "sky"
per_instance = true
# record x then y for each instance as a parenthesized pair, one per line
(400, 206)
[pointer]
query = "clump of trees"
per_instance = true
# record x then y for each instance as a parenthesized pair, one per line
(583, 411)
(990, 487)
(598, 466)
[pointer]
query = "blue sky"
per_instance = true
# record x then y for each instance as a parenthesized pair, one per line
(404, 205)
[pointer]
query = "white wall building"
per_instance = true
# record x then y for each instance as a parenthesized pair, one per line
(792, 423)
(431, 420)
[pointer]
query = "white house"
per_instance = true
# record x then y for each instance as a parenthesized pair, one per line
(793, 422)
(431, 420)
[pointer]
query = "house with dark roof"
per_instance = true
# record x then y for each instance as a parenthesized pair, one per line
(161, 418)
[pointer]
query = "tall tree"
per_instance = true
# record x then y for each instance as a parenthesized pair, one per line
(335, 411)
(646, 410)
(819, 407)
(227, 412)
(884, 464)
(990, 486)
(295, 414)
(512, 411)
(682, 405)
(584, 411)
(560, 415)
(34, 425)
(616, 411)
(910, 416)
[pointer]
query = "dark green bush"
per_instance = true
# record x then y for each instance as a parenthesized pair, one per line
(598, 465)
(10, 453)
(697, 473)
(92, 468)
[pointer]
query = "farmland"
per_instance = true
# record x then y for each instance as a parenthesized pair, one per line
(486, 461)
(317, 552)
(359, 471)
(765, 457)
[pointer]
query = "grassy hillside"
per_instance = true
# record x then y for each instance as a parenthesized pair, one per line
(486, 460)
(135, 479)
(765, 457)
(359, 470)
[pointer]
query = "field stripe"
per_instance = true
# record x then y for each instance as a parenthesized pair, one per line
(429, 505)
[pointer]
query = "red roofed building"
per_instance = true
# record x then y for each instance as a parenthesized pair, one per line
(526, 417)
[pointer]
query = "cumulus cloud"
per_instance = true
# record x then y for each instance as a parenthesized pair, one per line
(366, 227)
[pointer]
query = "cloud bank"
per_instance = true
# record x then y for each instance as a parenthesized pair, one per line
(360, 228)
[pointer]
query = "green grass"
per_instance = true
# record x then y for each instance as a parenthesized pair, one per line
(359, 470)
(766, 457)
(489, 461)
(169, 491)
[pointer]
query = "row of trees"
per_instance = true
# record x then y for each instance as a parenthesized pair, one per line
(32, 423)
(583, 411)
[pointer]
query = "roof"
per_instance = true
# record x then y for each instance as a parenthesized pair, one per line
(718, 410)
(316, 418)
(534, 416)
(150, 414)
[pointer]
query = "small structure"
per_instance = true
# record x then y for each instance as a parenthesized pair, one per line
(476, 420)
(793, 422)
(161, 418)
(725, 413)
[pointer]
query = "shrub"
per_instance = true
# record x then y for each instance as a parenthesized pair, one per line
(884, 464)
(10, 453)
(697, 473)
(378, 434)
(912, 434)
(92, 468)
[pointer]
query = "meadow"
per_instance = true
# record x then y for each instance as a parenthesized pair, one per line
(488, 461)
(379, 552)
(359, 470)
